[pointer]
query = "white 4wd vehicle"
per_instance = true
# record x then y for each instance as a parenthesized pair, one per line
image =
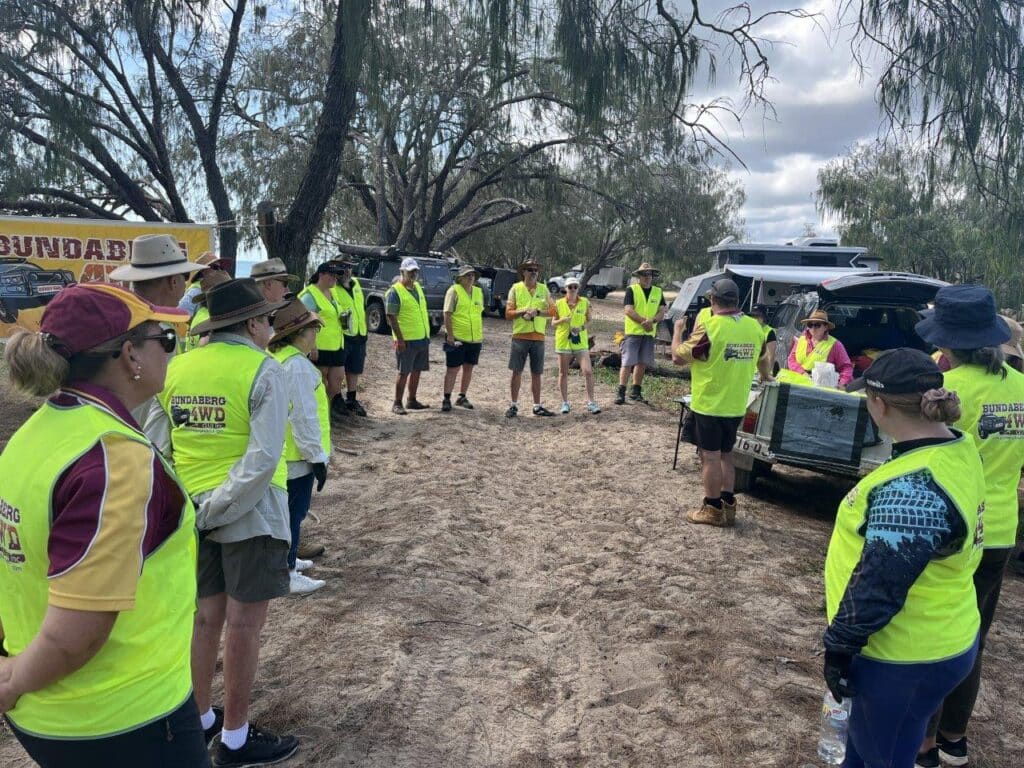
(826, 429)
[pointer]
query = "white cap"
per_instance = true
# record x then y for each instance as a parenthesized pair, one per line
(571, 281)
(409, 264)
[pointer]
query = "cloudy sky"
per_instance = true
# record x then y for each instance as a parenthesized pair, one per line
(822, 107)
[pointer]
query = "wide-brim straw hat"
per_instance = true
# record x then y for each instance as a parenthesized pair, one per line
(271, 269)
(819, 316)
(234, 301)
(294, 317)
(154, 256)
(528, 263)
(1012, 348)
(467, 270)
(210, 279)
(964, 317)
(646, 267)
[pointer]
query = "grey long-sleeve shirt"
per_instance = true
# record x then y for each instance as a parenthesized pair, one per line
(246, 505)
(302, 379)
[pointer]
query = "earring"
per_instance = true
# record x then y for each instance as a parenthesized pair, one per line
(138, 374)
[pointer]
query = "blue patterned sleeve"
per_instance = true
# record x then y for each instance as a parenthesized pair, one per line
(910, 522)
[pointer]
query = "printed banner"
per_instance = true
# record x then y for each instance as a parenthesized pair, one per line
(39, 256)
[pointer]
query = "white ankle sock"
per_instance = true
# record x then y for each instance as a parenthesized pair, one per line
(235, 738)
(208, 719)
(515, 404)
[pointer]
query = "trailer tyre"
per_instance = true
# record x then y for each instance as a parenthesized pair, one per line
(376, 321)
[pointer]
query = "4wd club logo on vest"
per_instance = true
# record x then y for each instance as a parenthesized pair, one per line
(10, 541)
(742, 351)
(101, 255)
(206, 413)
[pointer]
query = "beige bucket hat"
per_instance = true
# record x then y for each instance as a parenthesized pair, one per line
(154, 256)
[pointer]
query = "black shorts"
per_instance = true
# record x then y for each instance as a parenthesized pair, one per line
(250, 571)
(465, 353)
(355, 354)
(716, 433)
(333, 358)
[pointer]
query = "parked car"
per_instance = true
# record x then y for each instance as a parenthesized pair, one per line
(377, 273)
(496, 283)
(825, 429)
(25, 285)
(599, 285)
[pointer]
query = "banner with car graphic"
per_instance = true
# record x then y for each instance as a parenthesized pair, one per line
(39, 256)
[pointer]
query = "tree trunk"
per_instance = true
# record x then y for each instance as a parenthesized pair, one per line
(290, 240)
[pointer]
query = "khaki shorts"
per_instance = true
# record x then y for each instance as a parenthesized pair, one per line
(250, 571)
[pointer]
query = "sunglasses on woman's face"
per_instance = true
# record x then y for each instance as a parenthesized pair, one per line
(167, 337)
(816, 325)
(531, 270)
(572, 287)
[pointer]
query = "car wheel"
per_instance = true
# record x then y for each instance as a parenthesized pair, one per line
(602, 293)
(7, 315)
(553, 288)
(589, 292)
(376, 321)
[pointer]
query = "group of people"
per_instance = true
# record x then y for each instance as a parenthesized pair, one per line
(169, 484)
(920, 545)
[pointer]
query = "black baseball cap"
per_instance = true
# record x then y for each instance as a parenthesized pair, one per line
(900, 372)
(724, 288)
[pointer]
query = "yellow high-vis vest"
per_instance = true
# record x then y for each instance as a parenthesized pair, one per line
(721, 385)
(807, 358)
(351, 301)
(562, 330)
(940, 618)
(537, 300)
(323, 411)
(468, 317)
(213, 383)
(412, 314)
(992, 413)
(647, 307)
(142, 672)
(201, 316)
(329, 338)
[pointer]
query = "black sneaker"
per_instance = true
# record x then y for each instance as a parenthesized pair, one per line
(416, 405)
(463, 402)
(540, 410)
(929, 759)
(446, 404)
(952, 752)
(260, 748)
(354, 406)
(214, 730)
(512, 412)
(620, 399)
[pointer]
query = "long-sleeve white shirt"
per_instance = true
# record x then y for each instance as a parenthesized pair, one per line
(303, 378)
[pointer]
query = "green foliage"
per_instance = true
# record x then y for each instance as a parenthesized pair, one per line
(922, 213)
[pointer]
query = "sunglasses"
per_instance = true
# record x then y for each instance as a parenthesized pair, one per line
(168, 339)
(572, 287)
(531, 270)
(817, 325)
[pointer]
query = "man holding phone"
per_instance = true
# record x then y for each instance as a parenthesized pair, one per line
(529, 307)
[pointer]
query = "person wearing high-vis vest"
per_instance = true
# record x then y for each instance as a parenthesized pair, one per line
(210, 278)
(817, 345)
(760, 313)
(319, 297)
(307, 442)
(899, 593)
(348, 295)
(98, 552)
(644, 308)
(406, 307)
(724, 351)
(228, 403)
(529, 307)
(464, 334)
(965, 326)
(572, 314)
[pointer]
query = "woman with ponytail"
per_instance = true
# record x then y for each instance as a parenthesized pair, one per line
(977, 341)
(98, 552)
(903, 623)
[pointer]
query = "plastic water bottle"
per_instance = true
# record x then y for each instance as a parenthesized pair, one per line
(835, 722)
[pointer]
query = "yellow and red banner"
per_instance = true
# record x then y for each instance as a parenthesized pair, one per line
(39, 255)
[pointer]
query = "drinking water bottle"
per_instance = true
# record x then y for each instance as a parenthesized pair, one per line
(835, 721)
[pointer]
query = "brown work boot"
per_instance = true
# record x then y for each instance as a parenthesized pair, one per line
(707, 515)
(310, 549)
(730, 512)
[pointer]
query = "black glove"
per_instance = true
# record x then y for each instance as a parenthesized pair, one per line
(320, 473)
(837, 674)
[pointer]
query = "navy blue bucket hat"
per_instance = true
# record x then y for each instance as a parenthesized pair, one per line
(964, 317)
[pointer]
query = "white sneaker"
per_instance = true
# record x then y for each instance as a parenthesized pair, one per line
(303, 565)
(565, 407)
(593, 407)
(298, 584)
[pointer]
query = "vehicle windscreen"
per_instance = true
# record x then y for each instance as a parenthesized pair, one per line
(866, 330)
(436, 276)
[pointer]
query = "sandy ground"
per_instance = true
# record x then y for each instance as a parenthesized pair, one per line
(519, 594)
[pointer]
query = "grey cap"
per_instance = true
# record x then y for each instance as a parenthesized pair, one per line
(724, 288)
